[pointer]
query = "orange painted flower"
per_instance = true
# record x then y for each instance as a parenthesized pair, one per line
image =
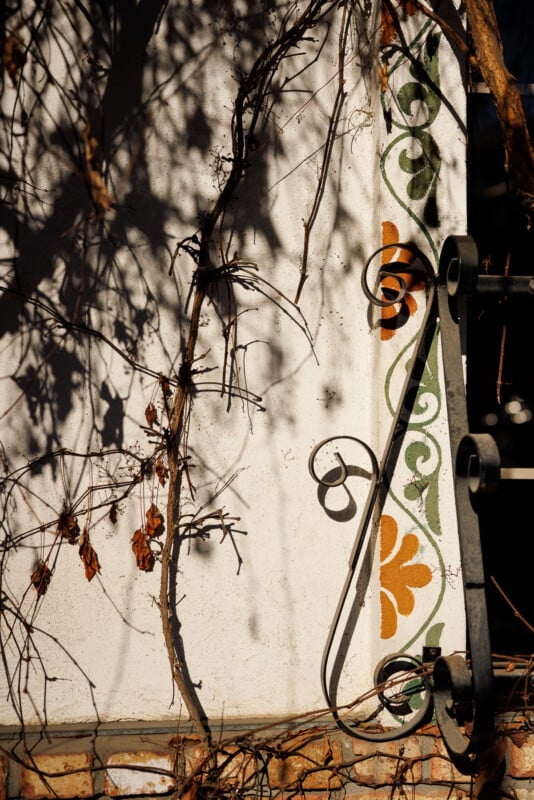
(397, 575)
(396, 315)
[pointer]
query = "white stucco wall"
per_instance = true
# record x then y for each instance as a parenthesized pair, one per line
(253, 633)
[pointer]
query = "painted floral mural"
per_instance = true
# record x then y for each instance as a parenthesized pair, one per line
(394, 316)
(399, 574)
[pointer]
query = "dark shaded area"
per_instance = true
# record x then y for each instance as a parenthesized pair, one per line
(113, 149)
(500, 345)
(131, 57)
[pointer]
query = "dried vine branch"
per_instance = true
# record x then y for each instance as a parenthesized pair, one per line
(507, 600)
(488, 49)
(92, 121)
(484, 50)
(253, 105)
(247, 119)
(328, 147)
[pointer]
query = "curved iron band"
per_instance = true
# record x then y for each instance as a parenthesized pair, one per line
(405, 664)
(461, 270)
(381, 478)
(453, 704)
(462, 696)
(476, 469)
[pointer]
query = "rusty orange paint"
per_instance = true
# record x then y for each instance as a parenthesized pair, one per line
(397, 575)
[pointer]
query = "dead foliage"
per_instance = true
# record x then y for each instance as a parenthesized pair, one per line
(88, 556)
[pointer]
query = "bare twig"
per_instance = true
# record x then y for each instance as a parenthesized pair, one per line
(507, 600)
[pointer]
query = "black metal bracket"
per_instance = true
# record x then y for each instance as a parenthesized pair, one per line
(464, 689)
(461, 690)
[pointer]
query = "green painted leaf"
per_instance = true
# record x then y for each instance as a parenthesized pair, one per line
(433, 634)
(424, 167)
(414, 690)
(426, 87)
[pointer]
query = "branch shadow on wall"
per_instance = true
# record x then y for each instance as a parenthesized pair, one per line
(88, 214)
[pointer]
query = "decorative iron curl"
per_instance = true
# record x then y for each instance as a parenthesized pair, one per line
(399, 703)
(391, 665)
(380, 480)
(344, 474)
(389, 273)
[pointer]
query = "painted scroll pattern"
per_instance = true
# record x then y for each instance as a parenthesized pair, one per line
(412, 569)
(409, 113)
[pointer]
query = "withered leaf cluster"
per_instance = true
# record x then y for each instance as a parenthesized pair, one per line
(88, 556)
(41, 578)
(14, 57)
(161, 471)
(151, 415)
(141, 539)
(68, 527)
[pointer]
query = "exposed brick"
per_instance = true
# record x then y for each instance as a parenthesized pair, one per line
(523, 793)
(290, 795)
(120, 781)
(403, 793)
(195, 754)
(354, 792)
(440, 793)
(191, 754)
(387, 762)
(3, 778)
(300, 762)
(442, 769)
(521, 764)
(430, 730)
(78, 783)
(237, 768)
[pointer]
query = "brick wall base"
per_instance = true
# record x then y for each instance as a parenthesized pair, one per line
(313, 763)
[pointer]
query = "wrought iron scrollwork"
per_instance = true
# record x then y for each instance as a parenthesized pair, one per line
(400, 664)
(391, 272)
(387, 672)
(461, 689)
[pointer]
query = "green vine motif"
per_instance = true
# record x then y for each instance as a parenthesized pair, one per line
(414, 97)
(414, 154)
(419, 498)
(424, 90)
(441, 571)
(422, 488)
(425, 170)
(427, 404)
(414, 688)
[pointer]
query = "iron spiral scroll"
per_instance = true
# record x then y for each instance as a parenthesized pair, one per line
(459, 690)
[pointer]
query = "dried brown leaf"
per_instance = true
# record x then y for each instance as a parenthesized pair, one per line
(151, 415)
(383, 77)
(113, 513)
(88, 556)
(165, 385)
(154, 521)
(68, 527)
(161, 471)
(14, 57)
(41, 578)
(388, 32)
(143, 554)
(99, 193)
